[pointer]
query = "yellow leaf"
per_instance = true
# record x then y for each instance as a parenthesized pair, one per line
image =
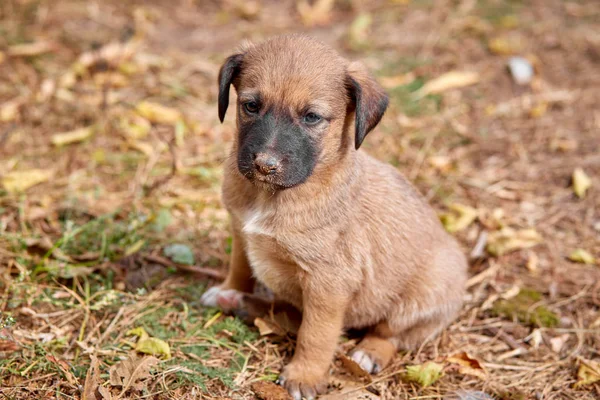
(317, 14)
(135, 127)
(158, 113)
(582, 256)
(447, 81)
(539, 110)
(503, 46)
(358, 31)
(139, 332)
(154, 347)
(19, 181)
(150, 345)
(507, 240)
(461, 217)
(424, 374)
(581, 182)
(588, 373)
(468, 365)
(509, 21)
(134, 248)
(77, 135)
(142, 147)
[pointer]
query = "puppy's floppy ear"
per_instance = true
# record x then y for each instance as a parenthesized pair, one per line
(230, 69)
(369, 99)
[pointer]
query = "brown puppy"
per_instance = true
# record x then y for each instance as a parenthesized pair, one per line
(341, 236)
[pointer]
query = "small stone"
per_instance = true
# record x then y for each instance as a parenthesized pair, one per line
(521, 70)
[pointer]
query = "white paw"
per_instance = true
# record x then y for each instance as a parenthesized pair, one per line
(226, 299)
(365, 361)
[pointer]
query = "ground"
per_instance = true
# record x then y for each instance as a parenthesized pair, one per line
(118, 225)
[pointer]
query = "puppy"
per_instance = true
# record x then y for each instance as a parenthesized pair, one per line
(341, 236)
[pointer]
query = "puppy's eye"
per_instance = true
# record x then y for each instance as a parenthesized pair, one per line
(311, 119)
(251, 107)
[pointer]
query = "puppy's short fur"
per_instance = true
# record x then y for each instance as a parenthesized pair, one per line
(343, 237)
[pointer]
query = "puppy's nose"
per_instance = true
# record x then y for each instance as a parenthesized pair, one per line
(266, 164)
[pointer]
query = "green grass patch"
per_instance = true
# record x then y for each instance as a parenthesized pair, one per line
(403, 97)
(523, 308)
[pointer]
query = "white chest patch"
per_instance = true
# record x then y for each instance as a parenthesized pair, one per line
(254, 222)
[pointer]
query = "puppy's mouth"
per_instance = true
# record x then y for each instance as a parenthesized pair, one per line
(269, 183)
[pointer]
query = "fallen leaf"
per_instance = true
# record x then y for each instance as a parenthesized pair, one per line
(266, 327)
(154, 347)
(92, 379)
(143, 147)
(77, 135)
(509, 21)
(424, 374)
(130, 371)
(247, 9)
(468, 365)
(460, 218)
(64, 367)
(538, 110)
(581, 182)
(557, 343)
(19, 181)
(265, 390)
(158, 113)
(507, 240)
(588, 373)
(353, 368)
(447, 81)
(134, 248)
(9, 110)
(179, 253)
(582, 256)
(139, 332)
(390, 82)
(317, 14)
(104, 392)
(504, 46)
(358, 32)
(150, 345)
(30, 49)
(135, 127)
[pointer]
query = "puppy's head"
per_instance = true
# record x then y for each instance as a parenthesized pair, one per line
(301, 108)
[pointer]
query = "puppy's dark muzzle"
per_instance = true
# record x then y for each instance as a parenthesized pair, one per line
(266, 164)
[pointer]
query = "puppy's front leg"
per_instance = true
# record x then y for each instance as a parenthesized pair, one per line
(239, 279)
(322, 321)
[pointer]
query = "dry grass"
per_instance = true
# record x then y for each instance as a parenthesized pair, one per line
(81, 252)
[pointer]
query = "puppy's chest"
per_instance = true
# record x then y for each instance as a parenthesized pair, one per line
(273, 258)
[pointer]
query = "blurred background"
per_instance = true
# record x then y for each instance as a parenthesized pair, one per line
(110, 170)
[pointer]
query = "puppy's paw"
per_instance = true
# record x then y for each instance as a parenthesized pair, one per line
(301, 384)
(367, 361)
(226, 299)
